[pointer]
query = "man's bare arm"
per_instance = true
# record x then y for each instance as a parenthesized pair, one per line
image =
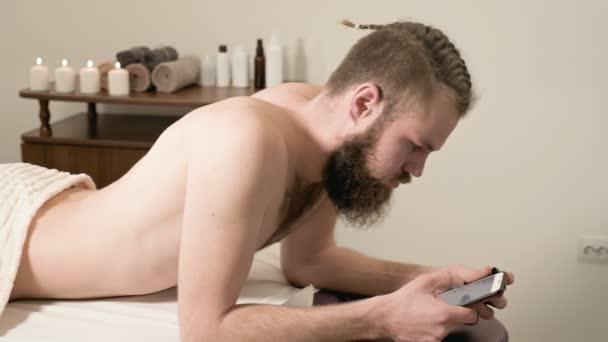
(344, 322)
(310, 256)
(346, 270)
(228, 188)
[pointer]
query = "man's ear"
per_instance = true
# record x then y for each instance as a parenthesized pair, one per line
(364, 104)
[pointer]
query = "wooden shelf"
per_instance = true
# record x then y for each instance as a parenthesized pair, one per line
(106, 146)
(108, 130)
(192, 96)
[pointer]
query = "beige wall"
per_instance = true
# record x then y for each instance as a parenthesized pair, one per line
(516, 185)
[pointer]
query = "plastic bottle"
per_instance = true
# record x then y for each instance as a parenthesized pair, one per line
(274, 62)
(208, 71)
(223, 67)
(240, 74)
(260, 66)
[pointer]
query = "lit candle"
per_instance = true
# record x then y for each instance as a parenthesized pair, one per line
(118, 81)
(39, 76)
(89, 79)
(65, 77)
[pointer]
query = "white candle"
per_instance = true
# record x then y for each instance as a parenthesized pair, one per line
(39, 76)
(89, 79)
(65, 77)
(118, 81)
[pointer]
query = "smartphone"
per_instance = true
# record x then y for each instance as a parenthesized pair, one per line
(477, 291)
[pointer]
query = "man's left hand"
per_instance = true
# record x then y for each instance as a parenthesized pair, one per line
(471, 274)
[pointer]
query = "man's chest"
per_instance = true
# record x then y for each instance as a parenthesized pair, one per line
(296, 206)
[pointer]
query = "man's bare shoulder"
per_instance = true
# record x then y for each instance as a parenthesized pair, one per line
(303, 89)
(287, 93)
(242, 121)
(238, 114)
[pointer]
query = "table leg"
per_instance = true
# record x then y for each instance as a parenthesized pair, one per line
(45, 117)
(92, 118)
(92, 111)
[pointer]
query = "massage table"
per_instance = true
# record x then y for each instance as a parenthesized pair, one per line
(153, 317)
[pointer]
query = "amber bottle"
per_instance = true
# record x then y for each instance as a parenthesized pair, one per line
(259, 67)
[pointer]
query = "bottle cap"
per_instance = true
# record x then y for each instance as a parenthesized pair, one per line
(259, 51)
(223, 48)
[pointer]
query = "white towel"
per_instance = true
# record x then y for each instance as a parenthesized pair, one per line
(24, 188)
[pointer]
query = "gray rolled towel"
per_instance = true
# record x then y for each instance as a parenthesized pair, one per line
(154, 57)
(171, 76)
(133, 55)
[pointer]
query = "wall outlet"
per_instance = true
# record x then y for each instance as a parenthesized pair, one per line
(593, 249)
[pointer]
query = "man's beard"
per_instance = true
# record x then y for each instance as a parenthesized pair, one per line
(360, 198)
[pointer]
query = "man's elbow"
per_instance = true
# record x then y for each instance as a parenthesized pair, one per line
(303, 269)
(296, 278)
(300, 274)
(204, 329)
(199, 334)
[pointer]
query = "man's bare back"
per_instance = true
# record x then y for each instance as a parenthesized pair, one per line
(124, 239)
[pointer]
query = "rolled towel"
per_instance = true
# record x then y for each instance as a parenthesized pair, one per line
(171, 76)
(139, 77)
(131, 56)
(104, 67)
(154, 57)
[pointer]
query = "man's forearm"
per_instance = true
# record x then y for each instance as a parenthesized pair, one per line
(343, 269)
(343, 322)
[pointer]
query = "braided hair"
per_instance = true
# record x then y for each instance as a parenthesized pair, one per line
(404, 56)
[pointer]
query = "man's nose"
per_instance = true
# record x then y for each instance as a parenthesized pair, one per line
(416, 167)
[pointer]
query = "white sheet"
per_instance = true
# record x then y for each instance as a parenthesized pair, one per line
(139, 318)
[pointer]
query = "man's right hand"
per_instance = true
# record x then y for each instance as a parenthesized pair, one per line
(414, 314)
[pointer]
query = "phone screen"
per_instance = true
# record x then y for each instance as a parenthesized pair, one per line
(472, 292)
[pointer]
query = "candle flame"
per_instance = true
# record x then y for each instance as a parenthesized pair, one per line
(117, 65)
(38, 61)
(89, 64)
(64, 62)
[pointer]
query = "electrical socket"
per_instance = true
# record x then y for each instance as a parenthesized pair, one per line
(593, 249)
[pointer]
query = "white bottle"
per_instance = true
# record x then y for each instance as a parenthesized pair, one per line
(274, 62)
(223, 67)
(240, 74)
(208, 71)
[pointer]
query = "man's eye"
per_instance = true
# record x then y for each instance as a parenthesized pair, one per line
(416, 148)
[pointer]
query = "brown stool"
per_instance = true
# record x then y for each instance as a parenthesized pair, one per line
(484, 331)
